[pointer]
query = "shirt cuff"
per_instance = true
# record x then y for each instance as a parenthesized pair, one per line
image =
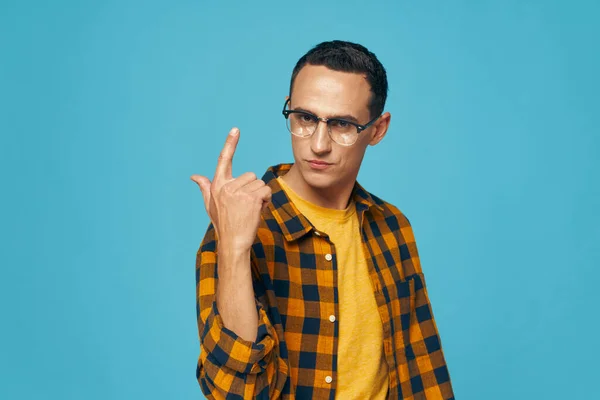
(226, 349)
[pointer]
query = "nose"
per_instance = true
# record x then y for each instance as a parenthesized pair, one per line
(320, 140)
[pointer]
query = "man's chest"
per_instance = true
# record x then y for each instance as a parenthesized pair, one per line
(309, 277)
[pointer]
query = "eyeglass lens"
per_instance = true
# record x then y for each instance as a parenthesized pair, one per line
(342, 132)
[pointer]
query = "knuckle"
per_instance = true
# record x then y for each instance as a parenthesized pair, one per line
(227, 189)
(222, 189)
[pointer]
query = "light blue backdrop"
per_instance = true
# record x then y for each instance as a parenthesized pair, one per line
(107, 108)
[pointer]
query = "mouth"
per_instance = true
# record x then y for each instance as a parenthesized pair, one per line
(317, 164)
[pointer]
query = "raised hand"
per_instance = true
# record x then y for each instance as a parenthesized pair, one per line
(233, 205)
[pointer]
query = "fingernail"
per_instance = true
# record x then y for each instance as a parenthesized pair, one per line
(235, 131)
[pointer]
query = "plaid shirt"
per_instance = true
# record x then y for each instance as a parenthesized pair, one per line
(294, 270)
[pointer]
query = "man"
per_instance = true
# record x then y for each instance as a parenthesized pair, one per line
(307, 285)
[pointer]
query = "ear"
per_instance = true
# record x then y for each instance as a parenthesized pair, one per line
(380, 128)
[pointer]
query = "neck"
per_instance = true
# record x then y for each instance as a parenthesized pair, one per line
(336, 196)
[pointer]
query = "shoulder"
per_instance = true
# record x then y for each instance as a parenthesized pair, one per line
(391, 212)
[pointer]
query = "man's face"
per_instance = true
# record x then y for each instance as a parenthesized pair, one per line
(327, 93)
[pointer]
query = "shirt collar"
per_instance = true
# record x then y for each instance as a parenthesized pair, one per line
(295, 225)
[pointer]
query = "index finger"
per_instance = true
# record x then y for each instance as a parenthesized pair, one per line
(224, 164)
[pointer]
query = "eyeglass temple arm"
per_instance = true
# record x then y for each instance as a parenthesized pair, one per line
(284, 106)
(365, 126)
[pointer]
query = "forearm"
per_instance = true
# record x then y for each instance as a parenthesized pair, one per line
(229, 317)
(235, 293)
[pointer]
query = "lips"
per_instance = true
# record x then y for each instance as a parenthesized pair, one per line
(318, 165)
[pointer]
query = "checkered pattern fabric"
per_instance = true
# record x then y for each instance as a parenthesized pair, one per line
(294, 269)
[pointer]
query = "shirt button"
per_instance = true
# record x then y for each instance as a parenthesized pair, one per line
(328, 379)
(332, 318)
(328, 257)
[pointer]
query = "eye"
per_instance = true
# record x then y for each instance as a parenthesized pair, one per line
(307, 118)
(340, 123)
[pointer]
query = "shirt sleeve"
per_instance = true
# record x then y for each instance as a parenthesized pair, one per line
(426, 369)
(230, 366)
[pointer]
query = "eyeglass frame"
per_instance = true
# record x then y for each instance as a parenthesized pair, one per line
(359, 127)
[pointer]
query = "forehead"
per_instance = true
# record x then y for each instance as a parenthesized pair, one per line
(326, 91)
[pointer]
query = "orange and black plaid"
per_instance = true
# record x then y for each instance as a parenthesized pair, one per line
(294, 270)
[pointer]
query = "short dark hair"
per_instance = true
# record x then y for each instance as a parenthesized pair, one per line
(344, 56)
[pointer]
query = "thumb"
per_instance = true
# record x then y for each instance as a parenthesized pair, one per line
(204, 185)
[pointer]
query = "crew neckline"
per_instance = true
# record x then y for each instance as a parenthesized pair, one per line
(324, 212)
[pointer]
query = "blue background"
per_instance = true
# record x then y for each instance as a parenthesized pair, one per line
(107, 108)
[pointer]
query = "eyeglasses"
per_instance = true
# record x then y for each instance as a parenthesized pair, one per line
(341, 131)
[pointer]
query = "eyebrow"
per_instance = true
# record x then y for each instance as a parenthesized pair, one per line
(346, 117)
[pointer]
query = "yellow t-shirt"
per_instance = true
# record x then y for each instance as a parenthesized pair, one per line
(362, 372)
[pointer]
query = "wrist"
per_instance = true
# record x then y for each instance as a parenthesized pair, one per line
(232, 252)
